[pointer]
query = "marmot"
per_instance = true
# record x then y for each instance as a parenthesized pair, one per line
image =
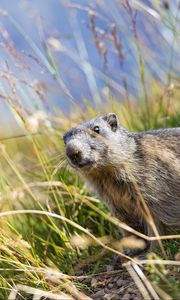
(115, 162)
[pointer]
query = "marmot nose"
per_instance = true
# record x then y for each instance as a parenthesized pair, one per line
(74, 154)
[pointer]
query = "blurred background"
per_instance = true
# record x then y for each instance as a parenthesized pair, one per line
(61, 55)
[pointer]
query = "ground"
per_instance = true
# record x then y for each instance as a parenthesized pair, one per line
(110, 284)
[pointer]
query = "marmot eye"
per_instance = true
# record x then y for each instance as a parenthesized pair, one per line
(96, 129)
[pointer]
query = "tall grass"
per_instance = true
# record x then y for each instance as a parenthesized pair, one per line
(51, 225)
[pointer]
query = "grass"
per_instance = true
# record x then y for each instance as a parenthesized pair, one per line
(61, 227)
(32, 243)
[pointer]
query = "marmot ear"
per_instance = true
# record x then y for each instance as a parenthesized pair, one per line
(112, 120)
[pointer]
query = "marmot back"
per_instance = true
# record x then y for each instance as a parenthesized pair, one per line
(110, 157)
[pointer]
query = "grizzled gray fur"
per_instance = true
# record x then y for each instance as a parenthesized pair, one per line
(108, 156)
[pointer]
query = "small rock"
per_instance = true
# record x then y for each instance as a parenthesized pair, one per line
(119, 282)
(126, 282)
(126, 297)
(93, 296)
(110, 285)
(99, 293)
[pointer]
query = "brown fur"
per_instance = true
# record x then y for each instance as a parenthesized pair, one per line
(126, 165)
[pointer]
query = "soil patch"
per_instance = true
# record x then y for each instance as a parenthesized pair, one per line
(110, 285)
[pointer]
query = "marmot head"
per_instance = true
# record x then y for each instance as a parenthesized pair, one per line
(90, 145)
